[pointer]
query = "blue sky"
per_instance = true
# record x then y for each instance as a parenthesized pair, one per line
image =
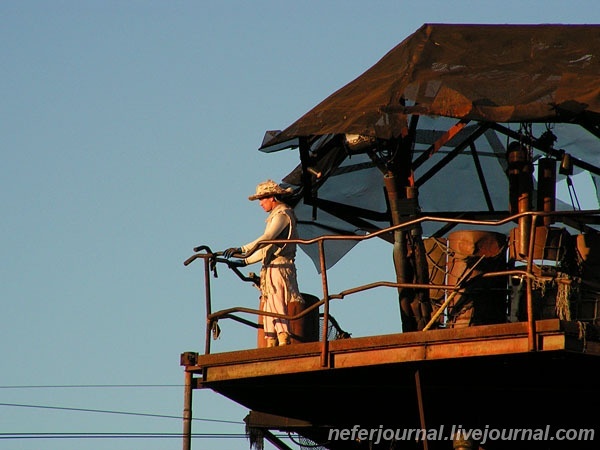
(129, 135)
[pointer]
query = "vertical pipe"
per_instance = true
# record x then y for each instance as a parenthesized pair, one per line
(421, 267)
(520, 178)
(524, 223)
(512, 159)
(399, 254)
(546, 195)
(421, 408)
(324, 341)
(187, 411)
(530, 315)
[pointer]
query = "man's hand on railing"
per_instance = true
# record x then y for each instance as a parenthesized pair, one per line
(219, 257)
(232, 251)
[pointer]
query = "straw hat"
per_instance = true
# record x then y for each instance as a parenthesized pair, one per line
(269, 189)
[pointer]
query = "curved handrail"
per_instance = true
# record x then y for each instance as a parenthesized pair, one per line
(420, 220)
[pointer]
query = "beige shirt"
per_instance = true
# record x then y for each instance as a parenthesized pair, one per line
(281, 224)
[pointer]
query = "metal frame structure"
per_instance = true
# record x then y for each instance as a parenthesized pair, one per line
(534, 371)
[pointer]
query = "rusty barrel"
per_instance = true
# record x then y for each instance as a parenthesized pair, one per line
(304, 329)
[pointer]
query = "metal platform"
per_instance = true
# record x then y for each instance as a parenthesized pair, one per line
(471, 377)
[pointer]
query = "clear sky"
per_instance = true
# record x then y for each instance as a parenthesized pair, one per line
(128, 136)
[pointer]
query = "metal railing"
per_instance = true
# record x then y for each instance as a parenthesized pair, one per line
(211, 259)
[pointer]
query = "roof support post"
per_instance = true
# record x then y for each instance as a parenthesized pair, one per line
(409, 254)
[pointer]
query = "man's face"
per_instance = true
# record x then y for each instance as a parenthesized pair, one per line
(268, 203)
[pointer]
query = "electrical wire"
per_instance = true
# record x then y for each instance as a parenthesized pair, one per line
(6, 436)
(164, 416)
(66, 386)
(109, 435)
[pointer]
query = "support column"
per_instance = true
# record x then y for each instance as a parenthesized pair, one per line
(421, 408)
(187, 411)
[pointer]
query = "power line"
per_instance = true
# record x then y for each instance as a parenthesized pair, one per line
(120, 435)
(164, 416)
(16, 436)
(94, 386)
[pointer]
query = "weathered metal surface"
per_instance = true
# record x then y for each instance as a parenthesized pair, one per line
(467, 375)
(489, 340)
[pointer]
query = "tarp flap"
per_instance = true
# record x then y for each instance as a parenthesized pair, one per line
(355, 183)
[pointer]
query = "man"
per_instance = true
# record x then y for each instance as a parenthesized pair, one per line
(278, 282)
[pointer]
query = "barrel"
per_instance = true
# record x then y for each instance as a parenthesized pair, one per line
(304, 329)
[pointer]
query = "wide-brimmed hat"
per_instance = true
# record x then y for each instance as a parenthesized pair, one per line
(269, 189)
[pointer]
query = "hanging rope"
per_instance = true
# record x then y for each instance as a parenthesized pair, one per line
(563, 297)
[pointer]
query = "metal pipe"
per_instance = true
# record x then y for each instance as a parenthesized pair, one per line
(187, 411)
(528, 283)
(208, 304)
(324, 340)
(520, 179)
(421, 407)
(399, 252)
(451, 220)
(546, 195)
(421, 303)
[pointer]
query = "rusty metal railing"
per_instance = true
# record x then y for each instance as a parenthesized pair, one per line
(212, 258)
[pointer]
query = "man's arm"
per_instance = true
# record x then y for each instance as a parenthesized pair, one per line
(274, 228)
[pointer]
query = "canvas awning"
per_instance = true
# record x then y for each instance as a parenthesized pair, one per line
(497, 73)
(456, 95)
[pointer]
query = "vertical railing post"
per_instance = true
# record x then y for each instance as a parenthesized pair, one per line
(532, 340)
(324, 340)
(208, 305)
